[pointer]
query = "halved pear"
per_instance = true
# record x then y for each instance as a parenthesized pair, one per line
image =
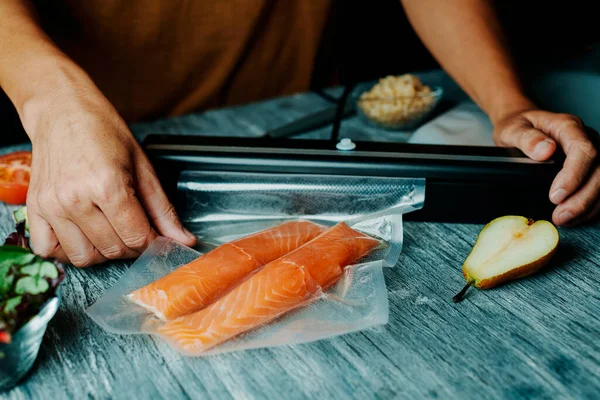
(508, 248)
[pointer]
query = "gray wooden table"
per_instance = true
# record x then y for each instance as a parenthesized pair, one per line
(535, 338)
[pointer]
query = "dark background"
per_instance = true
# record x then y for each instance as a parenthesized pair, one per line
(540, 33)
(377, 40)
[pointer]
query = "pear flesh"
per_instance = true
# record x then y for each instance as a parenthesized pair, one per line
(509, 248)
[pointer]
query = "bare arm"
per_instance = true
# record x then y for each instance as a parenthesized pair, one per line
(93, 194)
(31, 66)
(466, 38)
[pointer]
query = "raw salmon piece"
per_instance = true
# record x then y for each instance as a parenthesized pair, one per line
(326, 256)
(273, 291)
(206, 279)
(281, 286)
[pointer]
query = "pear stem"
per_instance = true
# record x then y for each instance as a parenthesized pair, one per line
(461, 294)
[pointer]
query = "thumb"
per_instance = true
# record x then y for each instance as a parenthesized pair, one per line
(534, 143)
(160, 211)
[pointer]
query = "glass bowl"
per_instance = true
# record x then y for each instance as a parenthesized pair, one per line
(17, 357)
(396, 113)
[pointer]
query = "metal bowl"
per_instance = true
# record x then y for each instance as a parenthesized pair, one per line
(17, 357)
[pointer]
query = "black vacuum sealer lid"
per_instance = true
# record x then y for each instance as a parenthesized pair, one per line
(367, 158)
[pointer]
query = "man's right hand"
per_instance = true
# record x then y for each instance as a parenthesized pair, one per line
(93, 194)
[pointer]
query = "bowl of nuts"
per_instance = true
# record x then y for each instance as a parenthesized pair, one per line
(396, 102)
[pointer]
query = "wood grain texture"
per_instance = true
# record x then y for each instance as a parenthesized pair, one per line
(535, 338)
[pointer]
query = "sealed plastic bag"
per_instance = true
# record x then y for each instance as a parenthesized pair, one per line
(356, 299)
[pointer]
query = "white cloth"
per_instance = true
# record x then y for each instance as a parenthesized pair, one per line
(466, 124)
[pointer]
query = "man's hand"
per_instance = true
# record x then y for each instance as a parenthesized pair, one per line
(576, 188)
(467, 39)
(93, 194)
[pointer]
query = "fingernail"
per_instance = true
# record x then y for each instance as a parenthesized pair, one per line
(565, 216)
(543, 148)
(558, 196)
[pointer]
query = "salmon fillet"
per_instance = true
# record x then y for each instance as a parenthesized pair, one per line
(281, 286)
(206, 279)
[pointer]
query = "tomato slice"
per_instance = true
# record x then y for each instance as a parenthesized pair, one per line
(15, 169)
(5, 337)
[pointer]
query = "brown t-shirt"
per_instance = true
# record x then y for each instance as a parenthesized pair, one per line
(168, 57)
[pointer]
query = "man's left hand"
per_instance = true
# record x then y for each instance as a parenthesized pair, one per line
(576, 188)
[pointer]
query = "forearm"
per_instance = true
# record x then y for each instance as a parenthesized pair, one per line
(467, 40)
(34, 73)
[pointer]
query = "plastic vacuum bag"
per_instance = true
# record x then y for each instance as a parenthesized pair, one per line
(226, 206)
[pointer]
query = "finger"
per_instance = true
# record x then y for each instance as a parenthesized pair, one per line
(591, 216)
(78, 249)
(533, 142)
(580, 159)
(581, 154)
(96, 227)
(161, 211)
(118, 202)
(42, 237)
(580, 204)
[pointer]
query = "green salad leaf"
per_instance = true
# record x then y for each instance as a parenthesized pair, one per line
(21, 216)
(48, 270)
(27, 282)
(12, 303)
(31, 285)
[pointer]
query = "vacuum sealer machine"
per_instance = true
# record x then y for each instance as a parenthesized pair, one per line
(463, 183)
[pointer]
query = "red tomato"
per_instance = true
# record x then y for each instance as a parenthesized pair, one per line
(14, 177)
(5, 337)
